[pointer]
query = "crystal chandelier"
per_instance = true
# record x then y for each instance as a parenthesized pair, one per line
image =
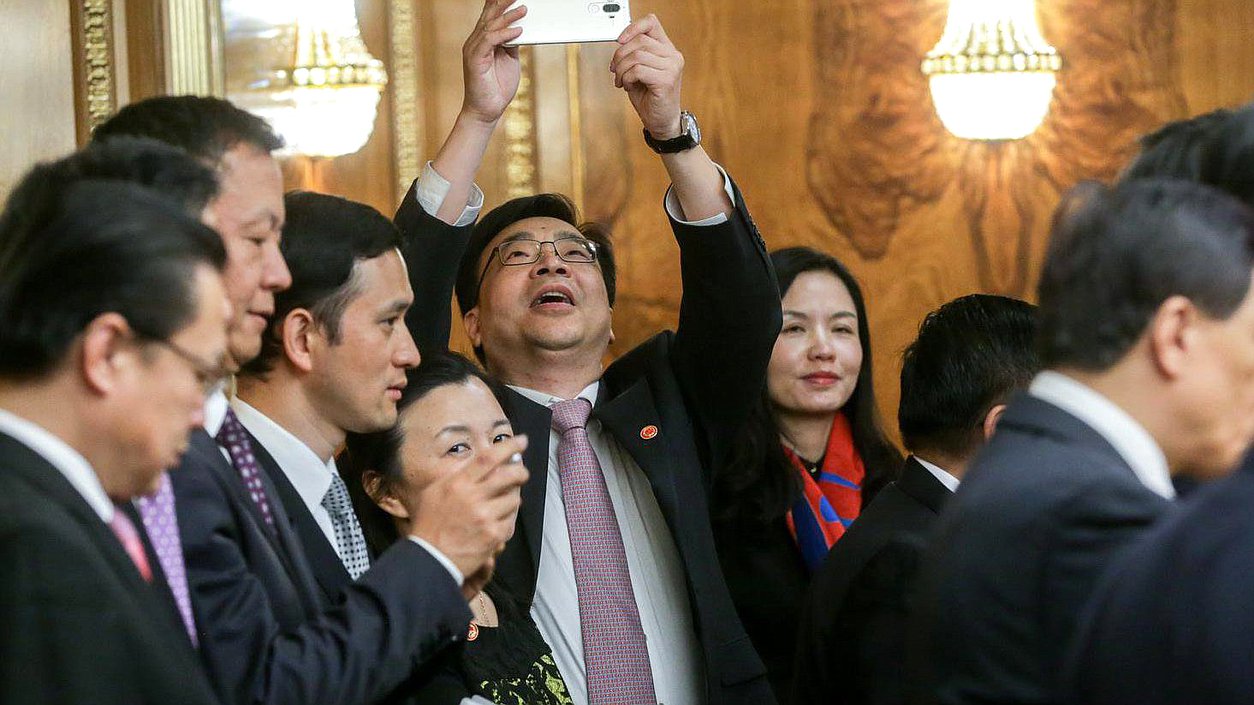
(325, 103)
(992, 74)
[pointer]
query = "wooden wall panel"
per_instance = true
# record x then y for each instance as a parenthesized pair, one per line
(821, 113)
(37, 83)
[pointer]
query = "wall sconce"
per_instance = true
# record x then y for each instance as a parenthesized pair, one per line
(992, 74)
(325, 103)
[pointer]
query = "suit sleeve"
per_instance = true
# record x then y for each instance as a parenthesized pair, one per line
(400, 614)
(433, 251)
(729, 318)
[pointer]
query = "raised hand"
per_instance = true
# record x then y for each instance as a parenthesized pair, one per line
(650, 69)
(490, 69)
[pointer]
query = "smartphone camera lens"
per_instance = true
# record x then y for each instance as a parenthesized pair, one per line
(611, 8)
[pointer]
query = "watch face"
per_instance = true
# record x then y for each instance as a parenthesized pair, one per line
(690, 127)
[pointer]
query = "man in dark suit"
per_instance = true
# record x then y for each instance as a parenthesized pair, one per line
(1169, 623)
(970, 356)
(266, 631)
(536, 290)
(1146, 314)
(100, 383)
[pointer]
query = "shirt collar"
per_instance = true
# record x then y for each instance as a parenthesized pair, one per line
(545, 399)
(216, 405)
(1133, 443)
(308, 474)
(61, 456)
(946, 479)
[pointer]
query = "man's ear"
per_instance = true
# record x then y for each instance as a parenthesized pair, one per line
(470, 321)
(105, 352)
(1171, 335)
(991, 419)
(300, 335)
(381, 493)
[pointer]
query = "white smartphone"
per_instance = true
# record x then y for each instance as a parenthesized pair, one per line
(572, 21)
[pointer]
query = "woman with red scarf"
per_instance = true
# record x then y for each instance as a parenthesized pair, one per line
(813, 454)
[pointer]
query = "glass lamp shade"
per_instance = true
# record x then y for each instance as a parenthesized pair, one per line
(324, 103)
(992, 75)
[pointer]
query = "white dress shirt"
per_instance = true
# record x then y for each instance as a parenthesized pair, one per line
(949, 481)
(1133, 443)
(61, 456)
(310, 475)
(657, 573)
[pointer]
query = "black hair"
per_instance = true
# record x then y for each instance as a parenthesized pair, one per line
(545, 205)
(324, 238)
(759, 484)
(109, 247)
(1116, 254)
(380, 451)
(971, 354)
(203, 126)
(1177, 150)
(169, 172)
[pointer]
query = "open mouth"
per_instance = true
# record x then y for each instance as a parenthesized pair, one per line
(556, 296)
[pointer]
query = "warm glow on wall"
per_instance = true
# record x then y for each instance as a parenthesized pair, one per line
(992, 74)
(325, 102)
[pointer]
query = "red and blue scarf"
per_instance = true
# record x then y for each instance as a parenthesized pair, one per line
(831, 499)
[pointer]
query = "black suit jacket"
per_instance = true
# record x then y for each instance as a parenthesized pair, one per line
(1045, 507)
(1171, 622)
(853, 628)
(696, 385)
(267, 635)
(329, 572)
(77, 622)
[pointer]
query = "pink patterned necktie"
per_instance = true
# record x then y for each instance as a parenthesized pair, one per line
(616, 656)
(234, 438)
(162, 524)
(128, 535)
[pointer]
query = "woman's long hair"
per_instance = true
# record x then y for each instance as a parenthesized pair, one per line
(759, 484)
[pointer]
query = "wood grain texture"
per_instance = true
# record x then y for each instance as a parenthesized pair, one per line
(819, 111)
(37, 83)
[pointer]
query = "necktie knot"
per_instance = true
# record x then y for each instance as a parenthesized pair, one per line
(336, 500)
(572, 413)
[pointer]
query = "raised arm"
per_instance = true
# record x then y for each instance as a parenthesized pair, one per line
(730, 313)
(437, 213)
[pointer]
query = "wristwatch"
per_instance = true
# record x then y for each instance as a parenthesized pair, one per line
(689, 137)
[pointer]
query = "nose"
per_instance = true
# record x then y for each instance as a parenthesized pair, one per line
(549, 262)
(407, 354)
(275, 276)
(822, 346)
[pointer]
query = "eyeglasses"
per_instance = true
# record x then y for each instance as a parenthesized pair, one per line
(522, 251)
(208, 376)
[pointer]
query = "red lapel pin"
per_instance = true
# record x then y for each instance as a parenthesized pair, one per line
(649, 432)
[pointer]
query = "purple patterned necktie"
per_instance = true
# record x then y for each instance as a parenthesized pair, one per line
(616, 656)
(162, 524)
(234, 438)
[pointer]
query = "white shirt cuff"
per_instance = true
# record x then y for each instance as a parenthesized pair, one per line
(674, 210)
(433, 189)
(443, 559)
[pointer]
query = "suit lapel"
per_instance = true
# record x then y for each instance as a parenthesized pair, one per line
(281, 540)
(632, 419)
(520, 563)
(21, 460)
(922, 486)
(324, 562)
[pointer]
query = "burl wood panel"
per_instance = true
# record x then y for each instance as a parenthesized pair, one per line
(820, 112)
